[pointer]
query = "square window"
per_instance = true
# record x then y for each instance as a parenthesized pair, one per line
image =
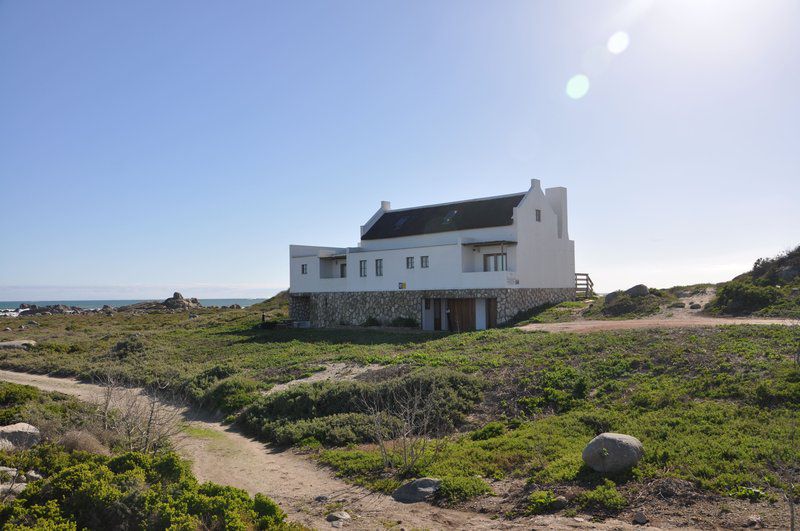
(362, 268)
(409, 262)
(423, 261)
(379, 267)
(538, 215)
(303, 269)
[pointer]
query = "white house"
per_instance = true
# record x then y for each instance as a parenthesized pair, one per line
(454, 266)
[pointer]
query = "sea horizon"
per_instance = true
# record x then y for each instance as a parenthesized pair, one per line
(89, 304)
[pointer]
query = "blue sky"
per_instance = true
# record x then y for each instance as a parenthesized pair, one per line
(150, 146)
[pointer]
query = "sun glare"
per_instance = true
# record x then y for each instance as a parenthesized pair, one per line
(618, 42)
(577, 86)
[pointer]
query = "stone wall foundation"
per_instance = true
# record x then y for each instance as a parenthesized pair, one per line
(355, 308)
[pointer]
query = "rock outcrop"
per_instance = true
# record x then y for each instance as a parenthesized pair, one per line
(613, 452)
(418, 490)
(21, 435)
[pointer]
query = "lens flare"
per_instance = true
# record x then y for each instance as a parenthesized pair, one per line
(577, 86)
(618, 42)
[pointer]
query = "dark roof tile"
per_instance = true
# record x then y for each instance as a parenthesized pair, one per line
(472, 214)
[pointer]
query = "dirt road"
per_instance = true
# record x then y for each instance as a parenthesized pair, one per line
(222, 455)
(682, 321)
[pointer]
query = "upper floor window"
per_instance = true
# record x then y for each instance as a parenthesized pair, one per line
(423, 261)
(538, 215)
(303, 269)
(379, 267)
(343, 270)
(494, 262)
(362, 268)
(409, 262)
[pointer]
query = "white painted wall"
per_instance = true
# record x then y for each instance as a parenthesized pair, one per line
(541, 259)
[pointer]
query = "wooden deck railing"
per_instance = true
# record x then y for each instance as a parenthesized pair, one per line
(584, 287)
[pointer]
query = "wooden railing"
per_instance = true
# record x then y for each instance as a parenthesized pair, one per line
(584, 287)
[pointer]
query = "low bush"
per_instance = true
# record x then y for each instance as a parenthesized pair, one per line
(489, 431)
(604, 497)
(457, 489)
(540, 502)
(739, 297)
(231, 394)
(131, 491)
(303, 410)
(339, 429)
(371, 321)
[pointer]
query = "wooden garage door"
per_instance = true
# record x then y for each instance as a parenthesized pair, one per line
(461, 314)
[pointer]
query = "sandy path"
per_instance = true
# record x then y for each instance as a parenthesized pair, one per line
(222, 455)
(682, 321)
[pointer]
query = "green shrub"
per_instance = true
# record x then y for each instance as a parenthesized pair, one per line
(604, 497)
(371, 321)
(739, 297)
(540, 502)
(489, 431)
(339, 429)
(132, 491)
(457, 489)
(303, 410)
(748, 493)
(231, 394)
(197, 387)
(626, 306)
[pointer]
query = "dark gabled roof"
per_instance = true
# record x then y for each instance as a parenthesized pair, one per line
(472, 214)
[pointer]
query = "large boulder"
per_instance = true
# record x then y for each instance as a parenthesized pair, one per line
(418, 490)
(611, 297)
(613, 452)
(178, 302)
(21, 435)
(639, 290)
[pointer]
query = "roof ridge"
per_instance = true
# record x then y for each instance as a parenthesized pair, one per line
(456, 202)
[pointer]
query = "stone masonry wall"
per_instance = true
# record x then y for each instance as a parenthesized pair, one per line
(354, 308)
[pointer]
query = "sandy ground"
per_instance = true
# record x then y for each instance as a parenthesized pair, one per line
(333, 371)
(225, 456)
(666, 318)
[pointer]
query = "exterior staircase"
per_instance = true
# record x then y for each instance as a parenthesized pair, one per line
(584, 287)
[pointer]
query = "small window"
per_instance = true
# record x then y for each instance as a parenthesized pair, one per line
(449, 217)
(400, 222)
(303, 269)
(362, 268)
(379, 267)
(409, 262)
(423, 261)
(538, 215)
(343, 270)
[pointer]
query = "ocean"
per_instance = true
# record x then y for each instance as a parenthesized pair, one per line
(96, 304)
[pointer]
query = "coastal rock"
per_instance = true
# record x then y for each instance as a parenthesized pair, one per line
(7, 329)
(639, 518)
(695, 306)
(178, 302)
(22, 435)
(611, 297)
(639, 290)
(613, 452)
(416, 491)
